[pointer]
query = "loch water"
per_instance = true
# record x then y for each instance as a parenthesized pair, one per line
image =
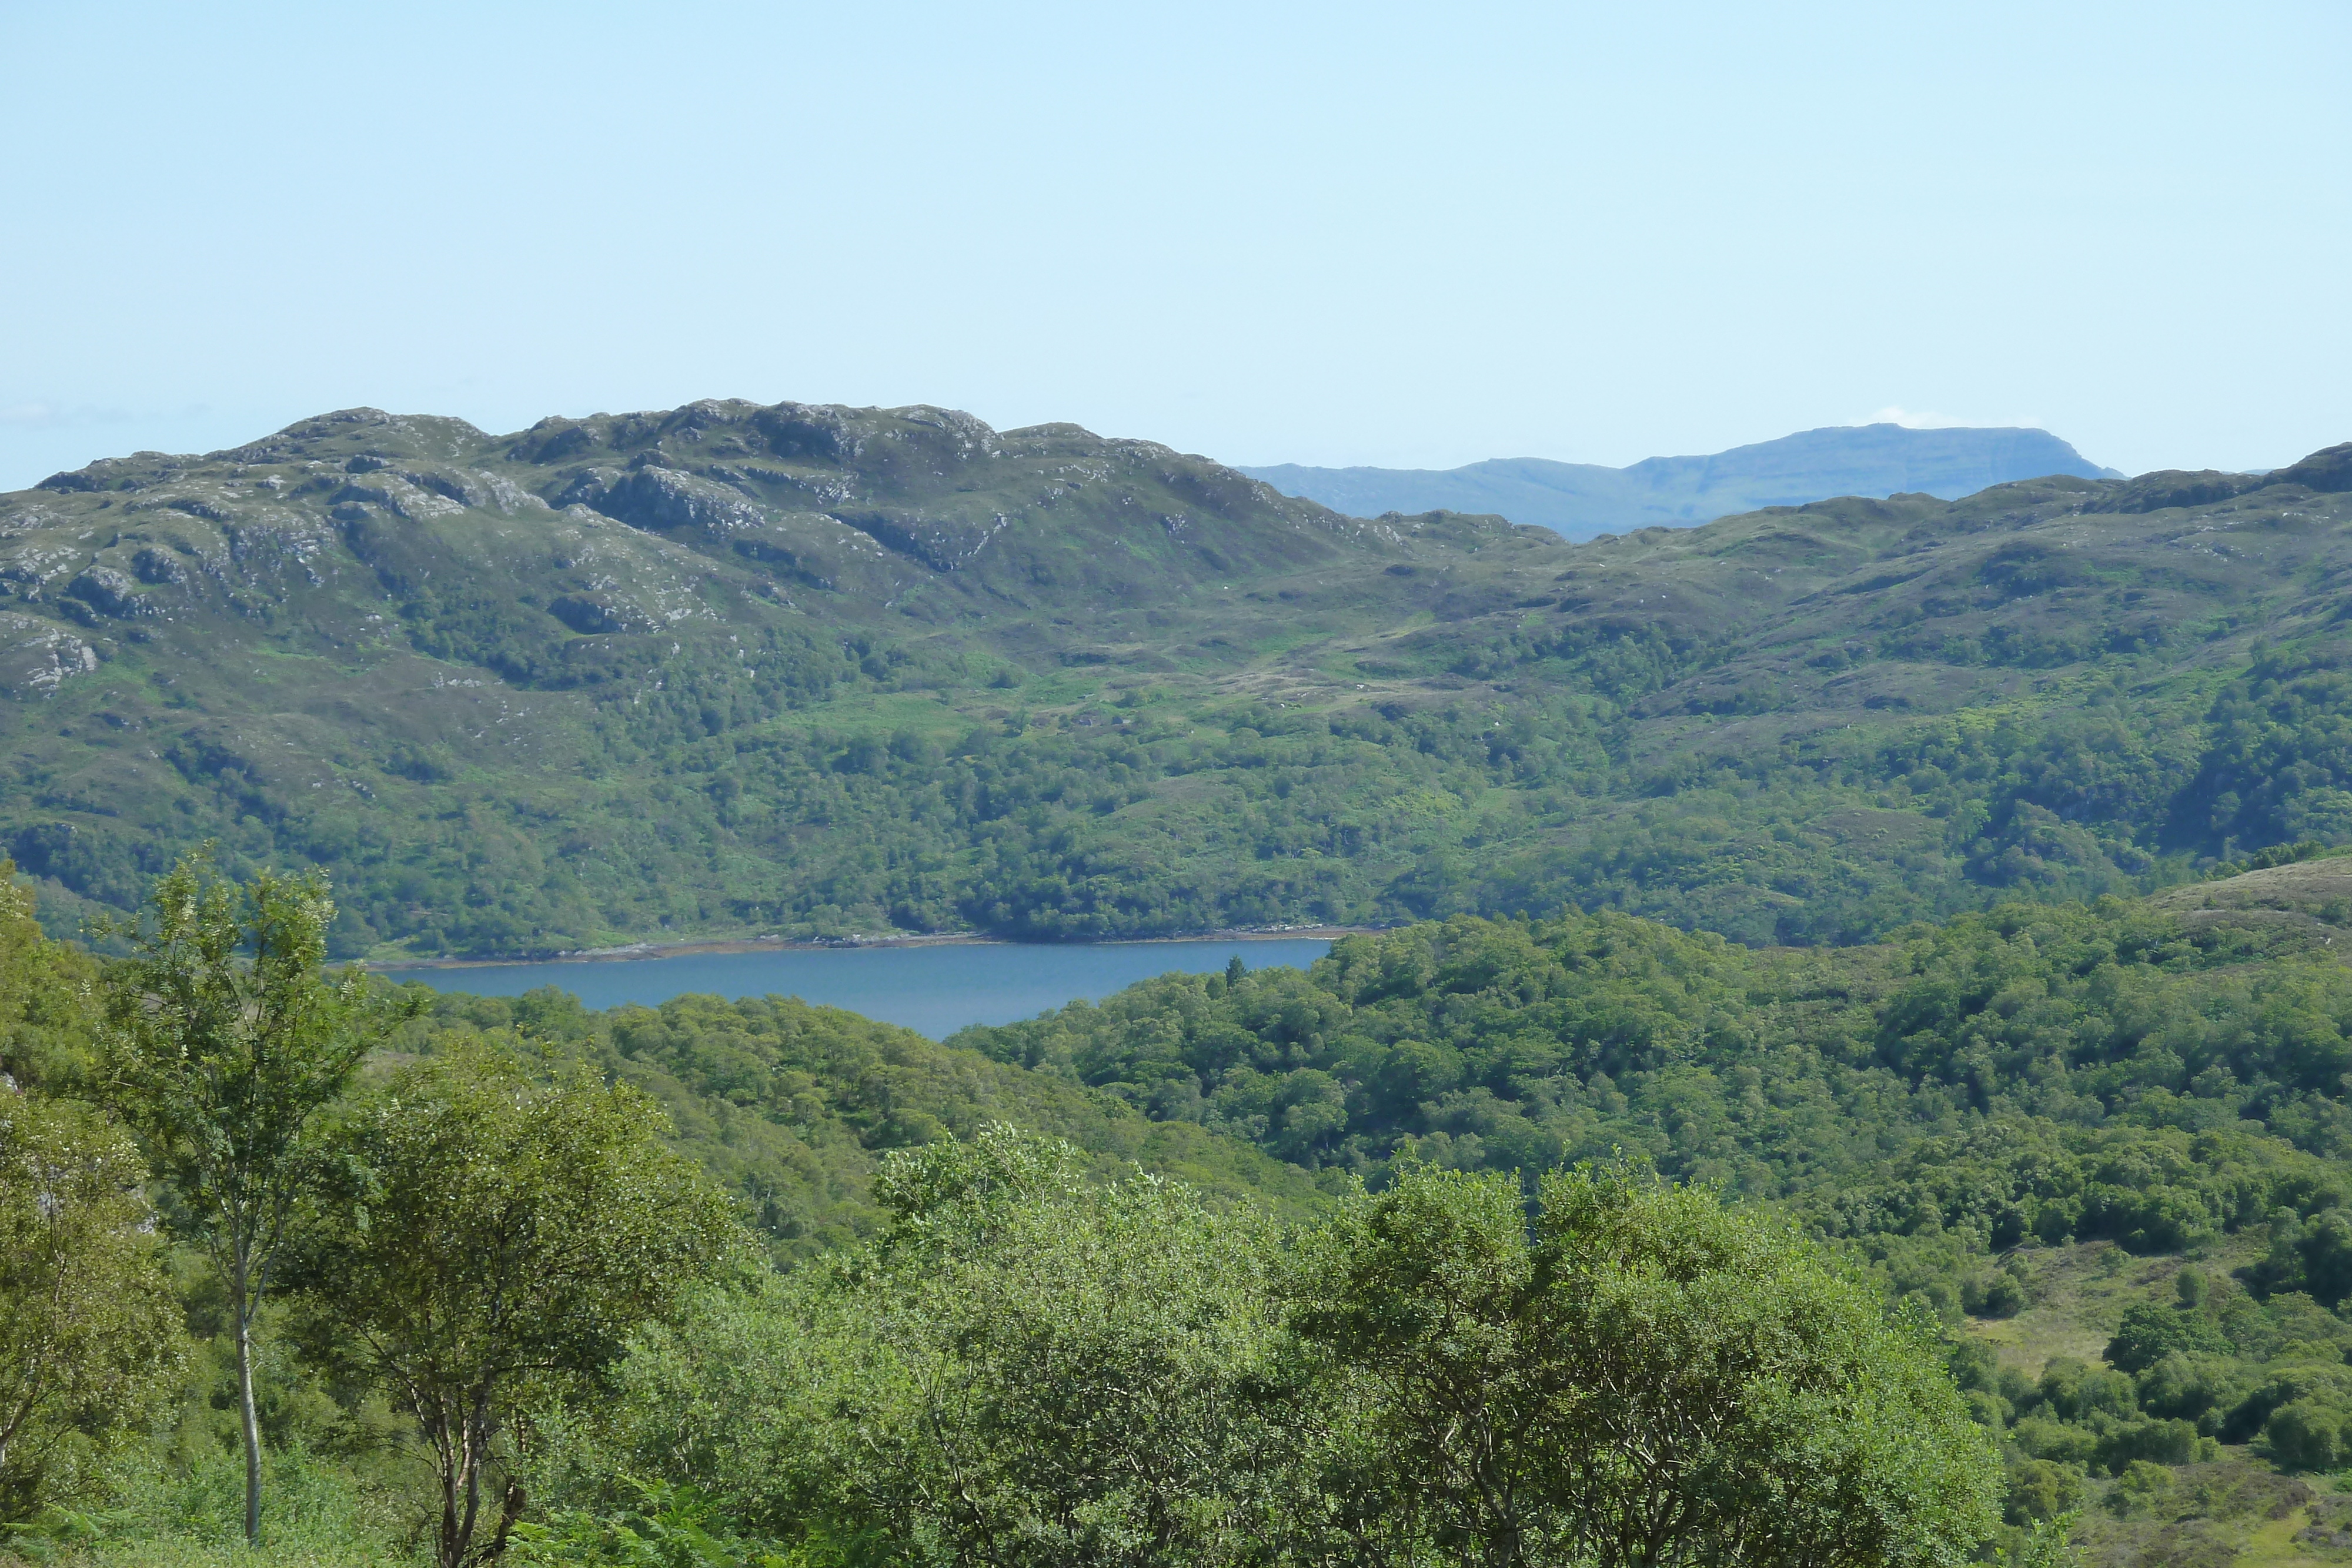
(933, 991)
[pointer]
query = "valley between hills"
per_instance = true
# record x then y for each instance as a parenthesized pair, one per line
(736, 671)
(1958, 884)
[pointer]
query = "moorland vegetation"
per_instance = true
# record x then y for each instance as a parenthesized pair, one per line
(805, 670)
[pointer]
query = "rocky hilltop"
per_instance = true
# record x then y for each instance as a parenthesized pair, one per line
(734, 670)
(927, 513)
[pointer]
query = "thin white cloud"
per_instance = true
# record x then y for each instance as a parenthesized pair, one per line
(40, 415)
(1914, 419)
(1921, 419)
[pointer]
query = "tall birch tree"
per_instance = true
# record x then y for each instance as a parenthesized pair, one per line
(224, 1046)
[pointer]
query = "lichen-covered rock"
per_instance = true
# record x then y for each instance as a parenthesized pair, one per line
(663, 500)
(38, 656)
(109, 591)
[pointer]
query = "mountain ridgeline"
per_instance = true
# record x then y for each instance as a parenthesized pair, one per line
(1580, 500)
(737, 670)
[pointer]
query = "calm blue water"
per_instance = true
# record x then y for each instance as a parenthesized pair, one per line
(933, 990)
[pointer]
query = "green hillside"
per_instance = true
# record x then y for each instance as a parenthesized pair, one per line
(735, 669)
(793, 1106)
(1837, 1079)
(790, 1106)
(2107, 1146)
(793, 1109)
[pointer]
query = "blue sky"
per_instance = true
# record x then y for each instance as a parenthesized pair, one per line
(1412, 236)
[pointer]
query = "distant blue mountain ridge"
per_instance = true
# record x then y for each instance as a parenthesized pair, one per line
(1583, 499)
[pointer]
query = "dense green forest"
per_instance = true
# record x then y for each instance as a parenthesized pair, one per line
(458, 1290)
(811, 672)
(792, 1106)
(1806, 1075)
(1973, 1111)
(2070, 1181)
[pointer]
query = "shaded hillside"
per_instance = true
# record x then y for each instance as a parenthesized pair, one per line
(1580, 500)
(737, 670)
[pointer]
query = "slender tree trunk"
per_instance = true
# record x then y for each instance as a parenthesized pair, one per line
(464, 1447)
(478, 1442)
(448, 1451)
(464, 1543)
(242, 1306)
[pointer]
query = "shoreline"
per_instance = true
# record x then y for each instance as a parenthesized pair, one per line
(639, 951)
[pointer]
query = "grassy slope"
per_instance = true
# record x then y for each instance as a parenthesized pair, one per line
(732, 670)
(2233, 1509)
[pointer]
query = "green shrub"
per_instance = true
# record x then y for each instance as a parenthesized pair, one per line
(2154, 1442)
(2328, 1385)
(2074, 1390)
(2004, 1296)
(2041, 1490)
(2149, 1332)
(2139, 1487)
(2305, 1435)
(2185, 1388)
(2057, 1440)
